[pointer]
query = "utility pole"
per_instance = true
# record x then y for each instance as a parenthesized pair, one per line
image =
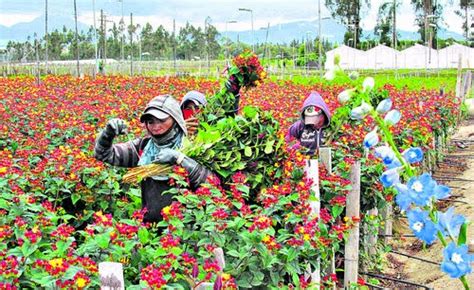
(320, 61)
(266, 39)
(122, 22)
(37, 60)
(95, 40)
(76, 40)
(102, 30)
(46, 35)
(174, 45)
(131, 44)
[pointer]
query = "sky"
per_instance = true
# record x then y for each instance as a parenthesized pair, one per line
(163, 12)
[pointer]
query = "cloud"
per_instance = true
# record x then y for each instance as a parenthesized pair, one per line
(162, 12)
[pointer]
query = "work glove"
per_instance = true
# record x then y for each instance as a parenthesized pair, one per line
(233, 85)
(116, 127)
(168, 156)
(171, 156)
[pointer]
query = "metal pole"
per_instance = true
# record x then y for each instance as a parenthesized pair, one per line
(174, 45)
(319, 46)
(123, 37)
(37, 61)
(253, 37)
(77, 41)
(131, 44)
(46, 35)
(95, 41)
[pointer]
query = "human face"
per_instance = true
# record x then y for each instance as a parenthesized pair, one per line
(190, 109)
(157, 126)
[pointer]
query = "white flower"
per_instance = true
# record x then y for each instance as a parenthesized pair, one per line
(344, 96)
(368, 84)
(330, 75)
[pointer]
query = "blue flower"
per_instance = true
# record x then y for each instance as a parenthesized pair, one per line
(388, 156)
(390, 177)
(384, 106)
(371, 139)
(441, 191)
(392, 117)
(457, 261)
(403, 198)
(413, 155)
(421, 188)
(422, 226)
(450, 223)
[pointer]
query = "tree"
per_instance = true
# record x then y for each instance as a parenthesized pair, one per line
(348, 12)
(384, 27)
(464, 5)
(427, 12)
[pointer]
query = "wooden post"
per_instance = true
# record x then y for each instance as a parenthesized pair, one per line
(372, 237)
(387, 230)
(351, 250)
(312, 172)
(325, 156)
(111, 276)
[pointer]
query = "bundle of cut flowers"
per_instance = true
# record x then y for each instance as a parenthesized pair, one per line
(226, 143)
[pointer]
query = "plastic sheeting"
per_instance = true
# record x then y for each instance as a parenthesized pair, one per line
(414, 57)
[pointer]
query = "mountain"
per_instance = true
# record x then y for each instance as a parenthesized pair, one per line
(331, 30)
(279, 33)
(20, 31)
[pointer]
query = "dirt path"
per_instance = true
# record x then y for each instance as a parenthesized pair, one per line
(456, 171)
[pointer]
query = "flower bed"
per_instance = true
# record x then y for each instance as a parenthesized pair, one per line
(62, 211)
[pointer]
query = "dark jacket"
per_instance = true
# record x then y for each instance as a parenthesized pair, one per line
(309, 136)
(127, 155)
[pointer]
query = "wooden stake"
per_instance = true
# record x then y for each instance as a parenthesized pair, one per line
(351, 252)
(111, 276)
(312, 172)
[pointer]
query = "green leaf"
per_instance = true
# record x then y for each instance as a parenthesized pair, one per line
(258, 278)
(233, 253)
(462, 234)
(75, 197)
(103, 240)
(336, 210)
(143, 235)
(269, 147)
(292, 254)
(249, 112)
(243, 188)
(248, 151)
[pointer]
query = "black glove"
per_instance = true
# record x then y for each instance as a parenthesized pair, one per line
(115, 127)
(233, 85)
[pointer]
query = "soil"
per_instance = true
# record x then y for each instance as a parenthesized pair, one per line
(457, 171)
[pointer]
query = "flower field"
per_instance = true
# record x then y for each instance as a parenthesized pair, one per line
(62, 212)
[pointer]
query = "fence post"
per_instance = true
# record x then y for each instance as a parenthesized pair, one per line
(312, 172)
(387, 230)
(325, 156)
(111, 276)
(372, 237)
(351, 249)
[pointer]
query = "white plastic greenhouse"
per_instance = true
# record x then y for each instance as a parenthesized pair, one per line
(414, 57)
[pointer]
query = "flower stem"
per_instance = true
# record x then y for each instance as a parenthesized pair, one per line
(389, 138)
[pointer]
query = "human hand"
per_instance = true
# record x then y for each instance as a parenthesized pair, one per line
(116, 127)
(167, 155)
(192, 125)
